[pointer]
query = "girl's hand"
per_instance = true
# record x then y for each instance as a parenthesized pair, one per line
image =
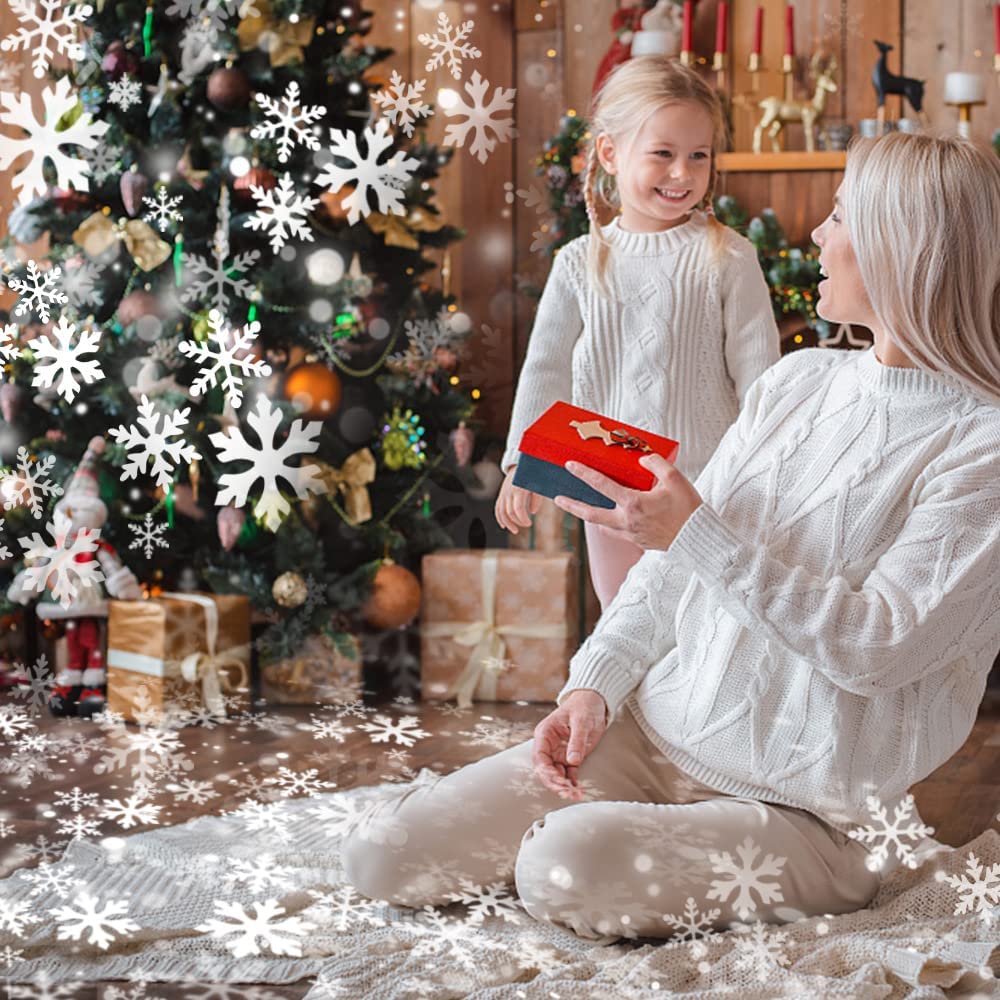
(650, 519)
(564, 738)
(515, 505)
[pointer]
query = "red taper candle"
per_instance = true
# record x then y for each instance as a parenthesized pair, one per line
(722, 27)
(996, 28)
(687, 38)
(789, 30)
(758, 32)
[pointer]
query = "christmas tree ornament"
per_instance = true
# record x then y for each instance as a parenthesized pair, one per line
(229, 523)
(446, 358)
(314, 389)
(228, 88)
(487, 482)
(402, 440)
(138, 303)
(290, 590)
(11, 401)
(71, 200)
(333, 202)
(194, 477)
(189, 170)
(395, 597)
(23, 222)
(98, 233)
(133, 187)
(282, 39)
(255, 177)
(118, 61)
(351, 482)
(398, 231)
(462, 442)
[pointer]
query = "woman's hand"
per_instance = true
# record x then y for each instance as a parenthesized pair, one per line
(564, 738)
(515, 505)
(650, 519)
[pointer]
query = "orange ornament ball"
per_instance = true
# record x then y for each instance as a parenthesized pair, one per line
(314, 389)
(395, 598)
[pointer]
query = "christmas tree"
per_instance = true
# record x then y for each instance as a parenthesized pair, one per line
(237, 297)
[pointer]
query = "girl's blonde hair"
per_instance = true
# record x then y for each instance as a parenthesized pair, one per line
(923, 213)
(632, 92)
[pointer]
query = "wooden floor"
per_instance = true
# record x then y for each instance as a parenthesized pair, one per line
(235, 761)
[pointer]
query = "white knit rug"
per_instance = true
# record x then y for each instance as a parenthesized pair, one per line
(258, 896)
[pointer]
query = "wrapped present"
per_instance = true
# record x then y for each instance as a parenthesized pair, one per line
(565, 433)
(497, 624)
(322, 672)
(178, 648)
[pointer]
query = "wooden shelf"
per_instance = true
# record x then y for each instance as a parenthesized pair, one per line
(777, 162)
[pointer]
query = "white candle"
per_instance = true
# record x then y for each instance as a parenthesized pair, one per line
(964, 88)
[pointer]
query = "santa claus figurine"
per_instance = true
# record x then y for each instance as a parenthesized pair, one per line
(80, 685)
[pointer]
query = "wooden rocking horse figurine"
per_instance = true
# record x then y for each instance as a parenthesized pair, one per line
(778, 112)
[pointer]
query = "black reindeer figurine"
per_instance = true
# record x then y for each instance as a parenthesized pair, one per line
(888, 83)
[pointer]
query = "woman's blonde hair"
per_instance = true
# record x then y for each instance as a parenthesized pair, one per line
(923, 213)
(632, 92)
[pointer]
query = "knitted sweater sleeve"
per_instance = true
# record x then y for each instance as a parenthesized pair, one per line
(752, 341)
(546, 375)
(932, 595)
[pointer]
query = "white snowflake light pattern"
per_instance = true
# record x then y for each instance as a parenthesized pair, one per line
(55, 566)
(162, 209)
(280, 937)
(386, 180)
(8, 349)
(39, 291)
(267, 463)
(62, 358)
(102, 924)
(406, 731)
(148, 535)
(104, 161)
(692, 926)
(212, 15)
(216, 282)
(25, 487)
(48, 27)
(229, 357)
(291, 121)
(401, 102)
(978, 888)
(452, 47)
(154, 443)
(480, 118)
(888, 834)
(281, 212)
(125, 92)
(745, 877)
(81, 284)
(760, 948)
(130, 812)
(43, 140)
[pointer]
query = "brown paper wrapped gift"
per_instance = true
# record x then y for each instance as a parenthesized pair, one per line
(319, 673)
(176, 646)
(497, 624)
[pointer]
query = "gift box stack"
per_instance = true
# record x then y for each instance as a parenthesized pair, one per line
(497, 624)
(178, 652)
(326, 669)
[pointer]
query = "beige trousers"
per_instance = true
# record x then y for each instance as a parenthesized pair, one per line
(647, 845)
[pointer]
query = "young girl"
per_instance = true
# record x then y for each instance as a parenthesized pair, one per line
(662, 318)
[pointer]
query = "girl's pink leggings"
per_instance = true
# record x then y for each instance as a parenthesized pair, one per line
(610, 560)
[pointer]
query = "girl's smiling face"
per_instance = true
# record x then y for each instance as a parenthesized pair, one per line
(662, 171)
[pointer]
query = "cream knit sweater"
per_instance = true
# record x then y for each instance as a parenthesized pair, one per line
(674, 354)
(821, 628)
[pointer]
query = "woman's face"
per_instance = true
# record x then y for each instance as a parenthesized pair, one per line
(842, 295)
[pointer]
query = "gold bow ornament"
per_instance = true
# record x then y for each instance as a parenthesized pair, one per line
(351, 482)
(397, 230)
(488, 658)
(96, 233)
(283, 40)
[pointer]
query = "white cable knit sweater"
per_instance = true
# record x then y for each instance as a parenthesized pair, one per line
(822, 626)
(674, 354)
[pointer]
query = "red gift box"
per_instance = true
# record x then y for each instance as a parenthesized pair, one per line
(566, 433)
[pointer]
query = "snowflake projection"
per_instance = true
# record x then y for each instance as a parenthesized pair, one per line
(125, 92)
(190, 790)
(760, 949)
(888, 834)
(495, 900)
(48, 28)
(280, 937)
(329, 729)
(425, 339)
(448, 46)
(405, 732)
(229, 357)
(8, 342)
(479, 118)
(102, 924)
(39, 291)
(38, 686)
(386, 180)
(268, 463)
(213, 15)
(148, 535)
(162, 209)
(45, 139)
(217, 281)
(63, 358)
(104, 161)
(15, 916)
(745, 877)
(60, 571)
(49, 879)
(978, 889)
(12, 720)
(281, 212)
(81, 285)
(401, 102)
(295, 783)
(342, 912)
(79, 827)
(26, 487)
(145, 754)
(130, 812)
(258, 874)
(693, 926)
(5, 552)
(290, 121)
(154, 443)
(458, 941)
(77, 799)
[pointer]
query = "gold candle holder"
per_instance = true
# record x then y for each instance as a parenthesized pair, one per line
(719, 65)
(786, 68)
(687, 57)
(753, 67)
(964, 116)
